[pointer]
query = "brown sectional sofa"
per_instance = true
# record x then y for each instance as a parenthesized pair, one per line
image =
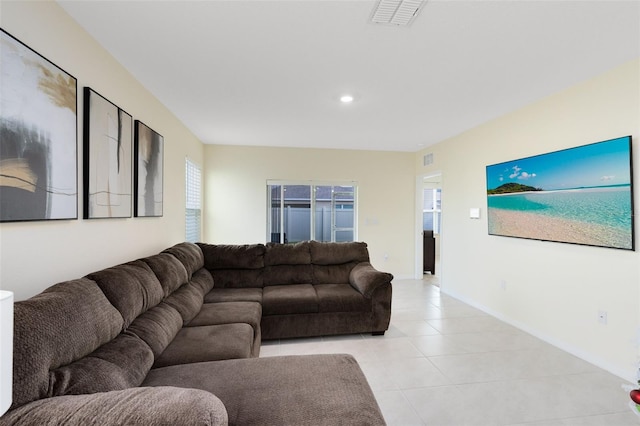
(173, 339)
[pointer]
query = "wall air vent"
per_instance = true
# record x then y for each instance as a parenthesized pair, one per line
(396, 12)
(427, 159)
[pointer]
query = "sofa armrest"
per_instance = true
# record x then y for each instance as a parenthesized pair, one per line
(151, 406)
(365, 278)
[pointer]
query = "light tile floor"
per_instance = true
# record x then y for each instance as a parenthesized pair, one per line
(443, 362)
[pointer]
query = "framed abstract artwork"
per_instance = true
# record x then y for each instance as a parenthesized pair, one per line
(38, 136)
(108, 158)
(581, 195)
(148, 173)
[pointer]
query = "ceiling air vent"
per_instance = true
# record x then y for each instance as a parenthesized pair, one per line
(396, 12)
(427, 159)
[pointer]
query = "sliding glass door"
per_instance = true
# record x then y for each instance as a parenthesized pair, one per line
(300, 212)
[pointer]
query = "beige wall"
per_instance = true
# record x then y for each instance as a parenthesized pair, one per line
(235, 195)
(36, 255)
(553, 290)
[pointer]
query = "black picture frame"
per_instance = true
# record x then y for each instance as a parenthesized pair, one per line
(148, 171)
(38, 136)
(108, 158)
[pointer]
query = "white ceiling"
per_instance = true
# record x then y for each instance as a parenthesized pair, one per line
(271, 72)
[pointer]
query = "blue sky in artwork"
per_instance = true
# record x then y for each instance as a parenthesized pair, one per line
(599, 164)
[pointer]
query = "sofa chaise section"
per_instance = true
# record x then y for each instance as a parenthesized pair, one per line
(309, 390)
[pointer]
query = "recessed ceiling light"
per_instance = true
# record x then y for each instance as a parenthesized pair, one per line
(345, 99)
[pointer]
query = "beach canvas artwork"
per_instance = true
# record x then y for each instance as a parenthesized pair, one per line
(38, 136)
(580, 195)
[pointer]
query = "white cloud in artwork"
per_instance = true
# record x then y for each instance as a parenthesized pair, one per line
(607, 178)
(519, 174)
(525, 175)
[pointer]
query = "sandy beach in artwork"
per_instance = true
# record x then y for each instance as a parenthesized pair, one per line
(541, 227)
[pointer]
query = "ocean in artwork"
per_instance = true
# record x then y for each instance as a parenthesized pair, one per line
(600, 216)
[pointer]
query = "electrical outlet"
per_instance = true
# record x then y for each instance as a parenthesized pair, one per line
(602, 317)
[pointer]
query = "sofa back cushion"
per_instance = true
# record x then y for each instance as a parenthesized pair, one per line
(287, 274)
(188, 299)
(234, 266)
(202, 280)
(224, 256)
(338, 253)
(132, 288)
(287, 264)
(307, 262)
(333, 262)
(189, 254)
(238, 278)
(57, 327)
(157, 327)
(169, 270)
(119, 364)
(288, 254)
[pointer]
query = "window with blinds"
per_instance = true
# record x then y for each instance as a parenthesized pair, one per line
(193, 211)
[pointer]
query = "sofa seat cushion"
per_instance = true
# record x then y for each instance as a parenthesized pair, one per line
(233, 312)
(217, 295)
(208, 343)
(291, 390)
(229, 313)
(289, 299)
(340, 298)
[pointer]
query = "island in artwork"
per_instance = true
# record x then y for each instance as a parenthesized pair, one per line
(509, 188)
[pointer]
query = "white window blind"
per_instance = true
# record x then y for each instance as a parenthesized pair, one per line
(193, 212)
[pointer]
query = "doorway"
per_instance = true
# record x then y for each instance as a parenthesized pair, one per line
(428, 227)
